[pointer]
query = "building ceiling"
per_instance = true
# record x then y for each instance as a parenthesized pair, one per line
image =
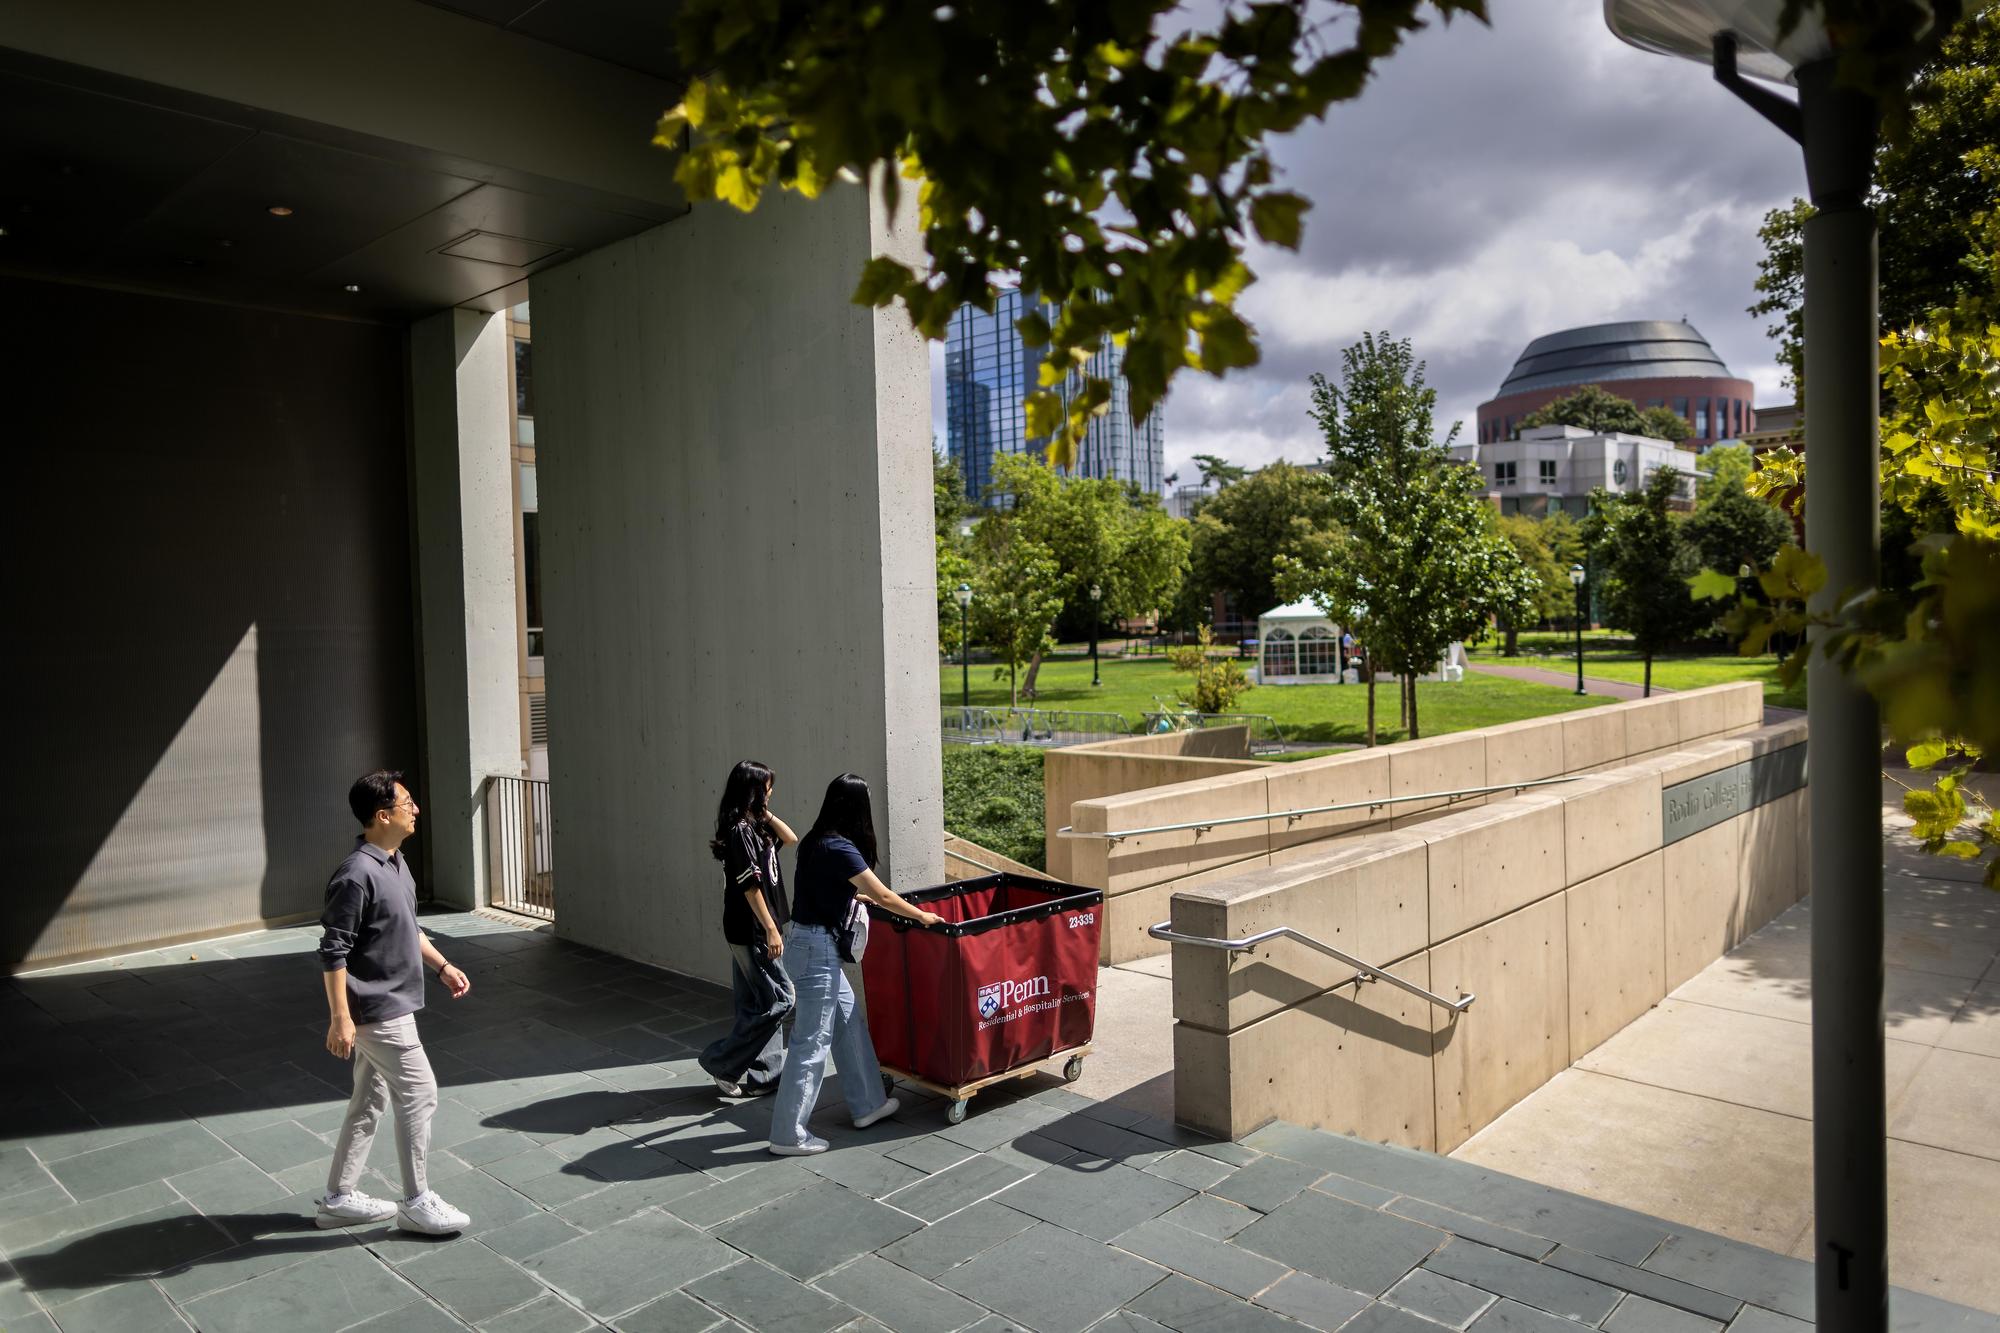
(107, 180)
(638, 34)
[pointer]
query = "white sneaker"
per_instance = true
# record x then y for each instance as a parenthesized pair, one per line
(728, 1089)
(811, 1147)
(353, 1209)
(431, 1216)
(888, 1108)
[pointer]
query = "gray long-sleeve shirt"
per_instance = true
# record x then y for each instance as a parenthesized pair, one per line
(370, 928)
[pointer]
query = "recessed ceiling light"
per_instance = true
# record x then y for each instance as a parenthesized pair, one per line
(3, 231)
(226, 243)
(353, 287)
(279, 210)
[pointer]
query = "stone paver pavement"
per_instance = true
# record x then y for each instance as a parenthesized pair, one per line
(165, 1121)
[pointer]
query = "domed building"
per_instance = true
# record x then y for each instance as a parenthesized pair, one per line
(1653, 362)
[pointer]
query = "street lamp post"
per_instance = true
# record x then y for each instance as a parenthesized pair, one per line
(1576, 577)
(1096, 593)
(1837, 127)
(964, 596)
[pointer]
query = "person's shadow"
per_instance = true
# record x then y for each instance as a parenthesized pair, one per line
(168, 1246)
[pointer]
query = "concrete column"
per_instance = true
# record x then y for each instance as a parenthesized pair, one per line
(462, 500)
(733, 462)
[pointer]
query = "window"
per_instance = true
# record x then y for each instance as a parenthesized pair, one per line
(1701, 419)
(1618, 471)
(1319, 652)
(1280, 655)
(531, 568)
(1548, 473)
(1555, 504)
(1681, 408)
(524, 378)
(1503, 473)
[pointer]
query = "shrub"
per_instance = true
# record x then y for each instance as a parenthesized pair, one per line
(1217, 684)
(993, 796)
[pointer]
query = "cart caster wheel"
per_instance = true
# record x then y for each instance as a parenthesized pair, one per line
(956, 1114)
(888, 1086)
(1073, 1070)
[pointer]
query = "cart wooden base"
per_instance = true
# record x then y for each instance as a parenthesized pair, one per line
(961, 1093)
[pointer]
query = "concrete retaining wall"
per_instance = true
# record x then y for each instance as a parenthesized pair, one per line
(1567, 911)
(1141, 874)
(1085, 772)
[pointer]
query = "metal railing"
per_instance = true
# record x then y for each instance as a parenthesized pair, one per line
(1265, 736)
(1201, 826)
(520, 873)
(1029, 726)
(1368, 971)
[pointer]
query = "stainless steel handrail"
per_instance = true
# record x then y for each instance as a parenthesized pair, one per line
(1201, 826)
(1369, 972)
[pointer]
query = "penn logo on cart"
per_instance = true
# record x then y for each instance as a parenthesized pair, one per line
(999, 995)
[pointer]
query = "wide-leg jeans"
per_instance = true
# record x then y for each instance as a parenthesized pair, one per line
(826, 1020)
(753, 1052)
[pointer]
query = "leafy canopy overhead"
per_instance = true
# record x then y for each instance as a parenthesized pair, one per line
(1068, 143)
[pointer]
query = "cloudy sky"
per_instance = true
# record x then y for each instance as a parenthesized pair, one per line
(1494, 184)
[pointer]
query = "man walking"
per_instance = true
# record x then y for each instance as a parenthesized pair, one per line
(373, 956)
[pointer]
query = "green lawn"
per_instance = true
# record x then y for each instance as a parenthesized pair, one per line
(1608, 655)
(1329, 713)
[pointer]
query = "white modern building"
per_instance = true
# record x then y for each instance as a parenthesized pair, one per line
(1553, 469)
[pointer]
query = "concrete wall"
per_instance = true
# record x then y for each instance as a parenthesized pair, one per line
(968, 860)
(1075, 773)
(734, 464)
(209, 530)
(1141, 874)
(1567, 912)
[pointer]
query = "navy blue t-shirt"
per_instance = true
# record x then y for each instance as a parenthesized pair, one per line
(822, 891)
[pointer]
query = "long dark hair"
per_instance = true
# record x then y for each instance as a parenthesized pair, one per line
(743, 798)
(846, 813)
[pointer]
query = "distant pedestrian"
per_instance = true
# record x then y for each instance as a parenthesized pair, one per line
(836, 866)
(373, 957)
(1346, 650)
(748, 1060)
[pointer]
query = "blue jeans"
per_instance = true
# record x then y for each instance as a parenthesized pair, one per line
(753, 1052)
(825, 1020)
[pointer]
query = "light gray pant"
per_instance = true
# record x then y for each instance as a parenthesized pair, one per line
(390, 1068)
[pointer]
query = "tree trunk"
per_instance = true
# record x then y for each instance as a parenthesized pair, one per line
(1368, 672)
(1513, 648)
(1402, 702)
(1034, 669)
(1649, 676)
(1013, 695)
(1413, 708)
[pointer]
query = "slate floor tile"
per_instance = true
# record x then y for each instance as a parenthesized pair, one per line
(623, 1200)
(1340, 1242)
(417, 1317)
(18, 1204)
(1354, 1191)
(817, 1230)
(1187, 1306)
(1749, 1274)
(717, 1203)
(866, 1173)
(1513, 1317)
(1266, 1184)
(992, 1323)
(943, 1193)
(675, 1312)
(234, 1186)
(1212, 1217)
(486, 1201)
(530, 1235)
(153, 1242)
(131, 1307)
(1636, 1314)
(547, 1315)
(1100, 1203)
(929, 1153)
(171, 1152)
(1756, 1319)
(957, 1238)
(898, 1299)
(1384, 1318)
(1440, 1298)
(333, 1291)
(760, 1297)
(471, 1281)
(1052, 1280)
(1191, 1169)
(1538, 1285)
(277, 1146)
(1203, 1258)
(263, 1254)
(1655, 1286)
(34, 1323)
(1472, 1228)
(1314, 1303)
(626, 1264)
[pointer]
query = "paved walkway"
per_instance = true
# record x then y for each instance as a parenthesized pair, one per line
(1701, 1111)
(165, 1125)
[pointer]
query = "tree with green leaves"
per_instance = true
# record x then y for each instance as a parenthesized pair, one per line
(1551, 595)
(1236, 539)
(1728, 466)
(954, 563)
(1647, 562)
(1933, 183)
(1117, 158)
(1016, 593)
(1602, 412)
(1217, 471)
(1418, 564)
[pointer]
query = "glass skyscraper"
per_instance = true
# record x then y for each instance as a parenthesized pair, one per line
(989, 371)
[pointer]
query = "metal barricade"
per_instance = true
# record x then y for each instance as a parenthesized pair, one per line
(520, 870)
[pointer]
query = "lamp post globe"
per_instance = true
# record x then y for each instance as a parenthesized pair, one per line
(963, 595)
(1837, 126)
(1096, 595)
(1576, 578)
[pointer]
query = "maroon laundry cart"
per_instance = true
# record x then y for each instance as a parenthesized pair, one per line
(1005, 982)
